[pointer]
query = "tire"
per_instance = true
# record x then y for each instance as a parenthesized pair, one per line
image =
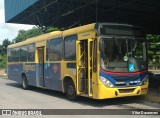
(70, 91)
(24, 82)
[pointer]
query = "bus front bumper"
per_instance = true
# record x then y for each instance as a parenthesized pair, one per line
(104, 92)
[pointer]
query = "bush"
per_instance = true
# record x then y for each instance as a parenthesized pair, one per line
(3, 62)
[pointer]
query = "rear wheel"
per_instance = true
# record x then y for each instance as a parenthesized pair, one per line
(24, 82)
(71, 92)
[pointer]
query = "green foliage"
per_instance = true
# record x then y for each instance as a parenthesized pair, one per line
(3, 52)
(51, 29)
(153, 38)
(3, 62)
(25, 34)
(154, 51)
(3, 47)
(154, 41)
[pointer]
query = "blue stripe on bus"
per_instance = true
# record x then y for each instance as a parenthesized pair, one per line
(52, 74)
(124, 78)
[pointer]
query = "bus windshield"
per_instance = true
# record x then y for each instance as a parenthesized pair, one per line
(123, 54)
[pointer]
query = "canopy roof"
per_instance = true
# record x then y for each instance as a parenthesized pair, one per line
(71, 13)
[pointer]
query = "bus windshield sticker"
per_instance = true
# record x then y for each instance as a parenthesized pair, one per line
(131, 68)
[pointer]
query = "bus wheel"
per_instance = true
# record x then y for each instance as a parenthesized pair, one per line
(71, 92)
(24, 82)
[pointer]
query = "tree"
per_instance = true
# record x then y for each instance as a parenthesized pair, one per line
(154, 41)
(0, 49)
(25, 34)
(50, 29)
(3, 63)
(154, 50)
(4, 46)
(3, 52)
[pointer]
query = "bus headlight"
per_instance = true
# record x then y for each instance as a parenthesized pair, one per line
(145, 80)
(106, 82)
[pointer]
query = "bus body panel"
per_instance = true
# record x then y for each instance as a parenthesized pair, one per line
(55, 72)
(15, 72)
(121, 91)
(104, 92)
(52, 76)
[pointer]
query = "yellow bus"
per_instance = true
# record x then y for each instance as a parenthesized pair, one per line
(99, 61)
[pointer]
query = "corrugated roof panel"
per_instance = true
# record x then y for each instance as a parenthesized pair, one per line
(14, 7)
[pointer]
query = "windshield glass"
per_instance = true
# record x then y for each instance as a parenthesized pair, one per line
(123, 54)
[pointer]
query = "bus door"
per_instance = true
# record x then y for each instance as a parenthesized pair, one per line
(84, 50)
(40, 67)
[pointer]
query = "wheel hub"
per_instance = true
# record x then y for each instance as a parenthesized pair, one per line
(70, 90)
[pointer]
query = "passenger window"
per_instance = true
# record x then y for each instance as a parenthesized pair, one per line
(23, 53)
(10, 55)
(55, 49)
(31, 52)
(70, 47)
(16, 55)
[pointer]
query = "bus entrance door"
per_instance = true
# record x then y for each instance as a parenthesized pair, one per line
(84, 67)
(40, 67)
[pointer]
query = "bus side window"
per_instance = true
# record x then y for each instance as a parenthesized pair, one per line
(13, 55)
(55, 49)
(31, 52)
(10, 55)
(70, 47)
(23, 53)
(16, 55)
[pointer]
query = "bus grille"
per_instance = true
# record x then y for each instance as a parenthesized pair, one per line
(126, 90)
(125, 78)
(124, 85)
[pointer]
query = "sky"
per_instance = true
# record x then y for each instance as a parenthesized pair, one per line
(9, 30)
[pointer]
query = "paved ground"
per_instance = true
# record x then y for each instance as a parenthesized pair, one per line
(12, 96)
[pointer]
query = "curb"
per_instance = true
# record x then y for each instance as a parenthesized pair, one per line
(3, 77)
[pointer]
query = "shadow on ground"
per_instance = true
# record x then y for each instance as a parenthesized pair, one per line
(154, 80)
(83, 100)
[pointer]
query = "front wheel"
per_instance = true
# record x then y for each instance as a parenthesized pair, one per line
(24, 82)
(71, 92)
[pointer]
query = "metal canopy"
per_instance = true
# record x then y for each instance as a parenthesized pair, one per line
(72, 13)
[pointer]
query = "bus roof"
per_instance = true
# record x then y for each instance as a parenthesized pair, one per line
(39, 38)
(55, 34)
(80, 29)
